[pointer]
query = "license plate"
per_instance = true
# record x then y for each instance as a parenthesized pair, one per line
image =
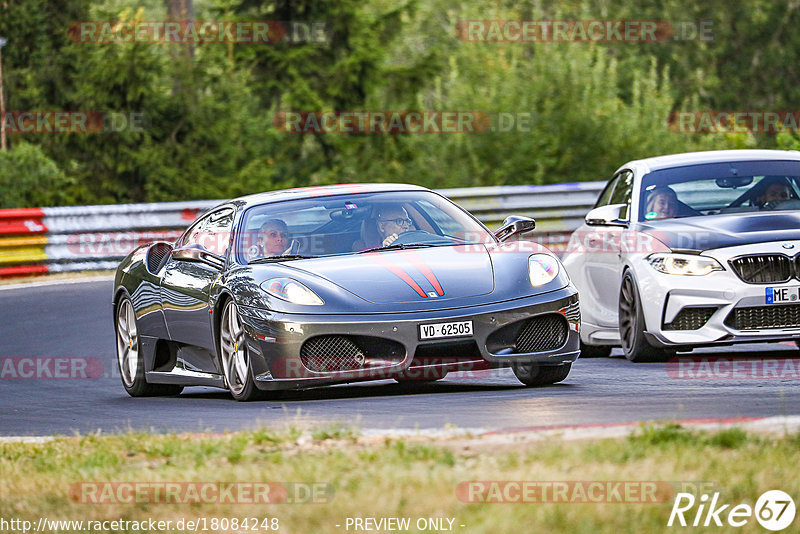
(439, 330)
(782, 295)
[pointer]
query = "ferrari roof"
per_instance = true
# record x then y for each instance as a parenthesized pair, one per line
(324, 191)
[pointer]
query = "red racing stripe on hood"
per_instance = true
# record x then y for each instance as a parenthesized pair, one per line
(397, 271)
(417, 261)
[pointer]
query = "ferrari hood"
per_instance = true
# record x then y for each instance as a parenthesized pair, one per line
(397, 276)
(718, 231)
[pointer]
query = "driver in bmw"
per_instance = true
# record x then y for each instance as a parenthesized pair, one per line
(776, 191)
(391, 222)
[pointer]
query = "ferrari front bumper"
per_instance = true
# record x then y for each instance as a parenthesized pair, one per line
(275, 340)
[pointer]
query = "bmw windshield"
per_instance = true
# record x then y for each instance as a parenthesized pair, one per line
(720, 188)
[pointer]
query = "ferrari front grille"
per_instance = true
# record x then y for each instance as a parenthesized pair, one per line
(763, 317)
(331, 353)
(542, 333)
(690, 319)
(341, 353)
(763, 268)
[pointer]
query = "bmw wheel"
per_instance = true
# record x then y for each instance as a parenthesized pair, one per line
(534, 374)
(129, 356)
(235, 356)
(632, 326)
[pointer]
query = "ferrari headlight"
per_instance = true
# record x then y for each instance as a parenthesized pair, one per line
(685, 264)
(542, 268)
(291, 291)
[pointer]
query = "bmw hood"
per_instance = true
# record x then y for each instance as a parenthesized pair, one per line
(398, 276)
(718, 231)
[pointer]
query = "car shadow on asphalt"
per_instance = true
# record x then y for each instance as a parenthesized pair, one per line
(377, 390)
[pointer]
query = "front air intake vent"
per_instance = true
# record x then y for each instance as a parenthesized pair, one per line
(157, 256)
(325, 354)
(542, 333)
(691, 318)
(764, 317)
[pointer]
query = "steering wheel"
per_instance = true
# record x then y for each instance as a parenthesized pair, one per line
(419, 236)
(784, 204)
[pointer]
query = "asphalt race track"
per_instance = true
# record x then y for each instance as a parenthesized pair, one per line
(74, 319)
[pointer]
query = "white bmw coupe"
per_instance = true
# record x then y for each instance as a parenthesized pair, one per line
(690, 250)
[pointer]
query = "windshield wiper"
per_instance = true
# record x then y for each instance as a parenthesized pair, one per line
(274, 259)
(397, 247)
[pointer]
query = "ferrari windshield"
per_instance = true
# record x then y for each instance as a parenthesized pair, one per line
(351, 223)
(711, 189)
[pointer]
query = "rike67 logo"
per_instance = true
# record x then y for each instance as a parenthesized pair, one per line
(774, 510)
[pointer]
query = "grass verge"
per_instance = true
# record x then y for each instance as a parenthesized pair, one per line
(379, 477)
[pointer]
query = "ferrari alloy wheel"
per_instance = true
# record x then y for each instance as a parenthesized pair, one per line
(235, 356)
(534, 374)
(131, 365)
(632, 326)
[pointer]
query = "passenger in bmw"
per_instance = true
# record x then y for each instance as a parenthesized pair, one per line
(662, 203)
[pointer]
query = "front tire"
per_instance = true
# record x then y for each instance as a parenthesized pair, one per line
(235, 357)
(631, 325)
(129, 360)
(534, 374)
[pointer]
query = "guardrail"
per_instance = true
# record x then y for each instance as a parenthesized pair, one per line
(88, 238)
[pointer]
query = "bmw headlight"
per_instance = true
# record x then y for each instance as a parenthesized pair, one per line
(685, 264)
(291, 291)
(542, 269)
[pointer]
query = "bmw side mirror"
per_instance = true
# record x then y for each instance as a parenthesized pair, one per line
(514, 225)
(606, 216)
(200, 254)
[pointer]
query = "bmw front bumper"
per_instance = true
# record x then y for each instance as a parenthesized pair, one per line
(693, 311)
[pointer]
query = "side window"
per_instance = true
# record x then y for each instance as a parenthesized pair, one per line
(622, 193)
(606, 194)
(212, 232)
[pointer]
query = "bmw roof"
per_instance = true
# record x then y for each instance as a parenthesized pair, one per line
(711, 156)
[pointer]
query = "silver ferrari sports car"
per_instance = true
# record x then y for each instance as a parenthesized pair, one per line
(691, 250)
(324, 285)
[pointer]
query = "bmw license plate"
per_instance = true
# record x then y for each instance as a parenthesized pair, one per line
(782, 295)
(439, 330)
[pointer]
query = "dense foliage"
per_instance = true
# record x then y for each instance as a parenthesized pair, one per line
(208, 109)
